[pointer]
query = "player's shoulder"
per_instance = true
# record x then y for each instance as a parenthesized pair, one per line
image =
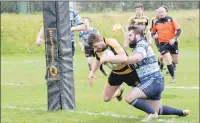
(169, 19)
(142, 43)
(145, 17)
(111, 41)
(131, 18)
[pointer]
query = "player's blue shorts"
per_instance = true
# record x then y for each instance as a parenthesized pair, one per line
(152, 86)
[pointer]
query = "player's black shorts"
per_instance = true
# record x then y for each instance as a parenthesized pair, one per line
(166, 47)
(89, 52)
(131, 79)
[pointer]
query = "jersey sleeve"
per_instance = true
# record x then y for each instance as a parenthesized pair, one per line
(153, 30)
(77, 18)
(142, 49)
(175, 25)
(116, 47)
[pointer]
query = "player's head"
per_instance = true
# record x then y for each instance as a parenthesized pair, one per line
(139, 8)
(162, 11)
(134, 34)
(86, 21)
(97, 42)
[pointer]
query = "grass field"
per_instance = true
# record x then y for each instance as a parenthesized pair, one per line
(23, 87)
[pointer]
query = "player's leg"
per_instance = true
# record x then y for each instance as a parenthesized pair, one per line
(165, 51)
(112, 87)
(109, 91)
(161, 62)
(167, 110)
(174, 53)
(155, 104)
(89, 61)
(73, 48)
(136, 98)
(148, 89)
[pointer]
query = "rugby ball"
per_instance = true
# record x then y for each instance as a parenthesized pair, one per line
(108, 52)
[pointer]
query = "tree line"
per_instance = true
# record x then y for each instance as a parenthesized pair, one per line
(95, 6)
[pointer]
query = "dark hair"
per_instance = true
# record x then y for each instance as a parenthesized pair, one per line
(136, 30)
(93, 38)
(139, 5)
(165, 7)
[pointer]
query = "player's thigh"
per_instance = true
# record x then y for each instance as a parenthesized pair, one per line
(175, 58)
(134, 94)
(167, 58)
(109, 91)
(155, 104)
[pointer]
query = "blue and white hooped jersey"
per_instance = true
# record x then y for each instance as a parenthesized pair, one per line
(75, 19)
(83, 35)
(148, 67)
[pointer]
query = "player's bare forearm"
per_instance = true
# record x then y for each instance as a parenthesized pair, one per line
(95, 66)
(135, 58)
(117, 59)
(78, 28)
(41, 33)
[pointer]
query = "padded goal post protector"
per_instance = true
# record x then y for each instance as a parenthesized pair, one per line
(59, 59)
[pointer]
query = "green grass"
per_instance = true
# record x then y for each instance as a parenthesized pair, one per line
(23, 69)
(19, 31)
(27, 71)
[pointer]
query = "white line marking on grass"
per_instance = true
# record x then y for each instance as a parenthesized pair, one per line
(106, 114)
(19, 84)
(183, 87)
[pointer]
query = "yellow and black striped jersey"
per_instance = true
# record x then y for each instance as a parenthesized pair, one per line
(153, 21)
(142, 21)
(117, 49)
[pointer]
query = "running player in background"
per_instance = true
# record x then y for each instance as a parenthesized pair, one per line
(141, 21)
(83, 41)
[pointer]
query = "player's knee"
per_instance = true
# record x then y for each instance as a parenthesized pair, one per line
(106, 98)
(129, 98)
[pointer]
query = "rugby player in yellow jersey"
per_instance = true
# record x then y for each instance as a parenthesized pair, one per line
(141, 21)
(150, 79)
(119, 74)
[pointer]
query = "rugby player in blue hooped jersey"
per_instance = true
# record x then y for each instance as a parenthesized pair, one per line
(83, 41)
(76, 24)
(146, 96)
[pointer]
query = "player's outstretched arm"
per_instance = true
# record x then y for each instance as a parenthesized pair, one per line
(39, 36)
(95, 67)
(135, 58)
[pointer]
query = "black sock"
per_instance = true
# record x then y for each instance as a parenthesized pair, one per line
(171, 70)
(166, 110)
(174, 65)
(142, 105)
(161, 66)
(158, 62)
